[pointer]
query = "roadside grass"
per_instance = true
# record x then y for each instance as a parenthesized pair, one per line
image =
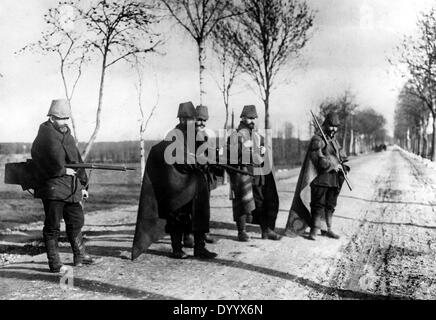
(107, 189)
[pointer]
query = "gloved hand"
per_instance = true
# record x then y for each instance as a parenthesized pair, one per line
(70, 172)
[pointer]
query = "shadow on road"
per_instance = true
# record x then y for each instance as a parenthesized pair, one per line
(387, 223)
(341, 293)
(83, 284)
(389, 202)
(111, 225)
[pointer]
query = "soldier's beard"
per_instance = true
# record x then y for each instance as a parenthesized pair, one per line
(251, 125)
(62, 128)
(331, 134)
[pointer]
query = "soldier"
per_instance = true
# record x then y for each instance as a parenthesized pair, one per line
(60, 189)
(202, 116)
(326, 186)
(180, 191)
(253, 196)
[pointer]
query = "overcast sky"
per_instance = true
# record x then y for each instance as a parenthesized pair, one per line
(348, 50)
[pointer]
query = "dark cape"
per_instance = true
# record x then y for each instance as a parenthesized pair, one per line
(51, 151)
(166, 188)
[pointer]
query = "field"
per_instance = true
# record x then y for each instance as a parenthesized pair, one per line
(108, 189)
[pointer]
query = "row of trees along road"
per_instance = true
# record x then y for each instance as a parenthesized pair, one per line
(416, 106)
(361, 129)
(251, 37)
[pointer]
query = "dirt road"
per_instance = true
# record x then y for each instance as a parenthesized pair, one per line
(387, 249)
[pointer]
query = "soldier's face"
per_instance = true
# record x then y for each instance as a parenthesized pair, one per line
(60, 122)
(250, 122)
(200, 124)
(331, 131)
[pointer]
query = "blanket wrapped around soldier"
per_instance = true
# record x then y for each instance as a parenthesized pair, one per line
(164, 190)
(299, 215)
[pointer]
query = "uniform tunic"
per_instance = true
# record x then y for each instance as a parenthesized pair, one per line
(325, 188)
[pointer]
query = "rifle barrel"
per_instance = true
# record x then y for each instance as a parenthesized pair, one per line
(98, 166)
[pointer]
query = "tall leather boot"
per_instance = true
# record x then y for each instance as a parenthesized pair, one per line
(79, 252)
(210, 239)
(241, 225)
(188, 240)
(267, 227)
(200, 250)
(317, 213)
(313, 233)
(54, 261)
(176, 244)
(328, 220)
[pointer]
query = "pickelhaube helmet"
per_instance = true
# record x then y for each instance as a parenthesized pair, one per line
(249, 112)
(186, 110)
(202, 113)
(331, 120)
(60, 108)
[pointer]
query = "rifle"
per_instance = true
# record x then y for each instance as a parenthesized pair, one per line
(224, 166)
(98, 166)
(337, 152)
(95, 166)
(230, 168)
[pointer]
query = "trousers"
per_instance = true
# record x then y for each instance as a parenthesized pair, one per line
(54, 212)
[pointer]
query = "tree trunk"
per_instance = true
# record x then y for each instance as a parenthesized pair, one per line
(344, 138)
(142, 155)
(266, 103)
(433, 139)
(424, 138)
(98, 116)
(69, 98)
(226, 105)
(350, 148)
(201, 61)
(424, 143)
(73, 123)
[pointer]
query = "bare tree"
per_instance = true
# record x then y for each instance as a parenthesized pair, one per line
(199, 18)
(268, 35)
(116, 31)
(65, 40)
(419, 56)
(411, 115)
(230, 65)
(145, 119)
